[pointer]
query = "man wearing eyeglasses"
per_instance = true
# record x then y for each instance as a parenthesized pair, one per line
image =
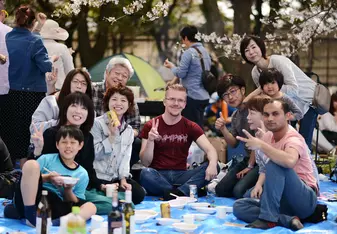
(4, 83)
(244, 174)
(166, 140)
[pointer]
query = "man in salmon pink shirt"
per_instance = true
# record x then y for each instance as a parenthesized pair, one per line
(290, 187)
(166, 140)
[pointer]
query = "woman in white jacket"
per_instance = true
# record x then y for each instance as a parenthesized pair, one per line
(113, 140)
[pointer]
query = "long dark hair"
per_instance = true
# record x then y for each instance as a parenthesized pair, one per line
(65, 90)
(80, 99)
(333, 99)
(25, 16)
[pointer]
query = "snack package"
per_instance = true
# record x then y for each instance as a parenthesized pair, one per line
(113, 117)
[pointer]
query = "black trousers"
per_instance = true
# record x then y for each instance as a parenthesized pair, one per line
(194, 110)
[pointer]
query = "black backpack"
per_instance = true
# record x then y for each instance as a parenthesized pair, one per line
(320, 214)
(209, 81)
(8, 182)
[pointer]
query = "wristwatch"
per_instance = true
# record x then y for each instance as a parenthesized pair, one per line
(250, 166)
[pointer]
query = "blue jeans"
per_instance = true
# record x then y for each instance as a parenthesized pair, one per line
(285, 195)
(307, 125)
(156, 182)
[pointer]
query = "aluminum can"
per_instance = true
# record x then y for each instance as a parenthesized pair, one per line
(165, 210)
(193, 191)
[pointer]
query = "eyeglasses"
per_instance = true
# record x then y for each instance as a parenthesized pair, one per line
(232, 93)
(174, 100)
(77, 82)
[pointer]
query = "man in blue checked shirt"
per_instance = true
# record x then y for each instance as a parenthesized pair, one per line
(189, 72)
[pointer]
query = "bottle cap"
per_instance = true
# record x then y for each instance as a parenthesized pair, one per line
(44, 192)
(75, 210)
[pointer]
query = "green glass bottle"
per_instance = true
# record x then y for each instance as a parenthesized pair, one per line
(128, 215)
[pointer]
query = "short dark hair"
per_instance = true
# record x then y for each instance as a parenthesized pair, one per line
(189, 31)
(122, 90)
(228, 81)
(81, 99)
(257, 103)
(285, 106)
(245, 42)
(333, 99)
(71, 132)
(65, 90)
(25, 16)
(269, 75)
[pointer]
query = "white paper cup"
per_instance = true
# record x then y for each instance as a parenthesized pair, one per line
(221, 212)
(96, 222)
(109, 189)
(188, 218)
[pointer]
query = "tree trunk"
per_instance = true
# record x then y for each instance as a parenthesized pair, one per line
(258, 17)
(242, 11)
(91, 55)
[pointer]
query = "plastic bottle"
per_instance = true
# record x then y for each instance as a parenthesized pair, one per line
(76, 224)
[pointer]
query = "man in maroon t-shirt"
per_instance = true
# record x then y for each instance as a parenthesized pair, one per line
(165, 143)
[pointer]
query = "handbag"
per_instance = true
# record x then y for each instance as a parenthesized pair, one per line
(322, 97)
(209, 81)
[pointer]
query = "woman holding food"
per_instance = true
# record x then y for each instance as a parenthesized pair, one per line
(113, 139)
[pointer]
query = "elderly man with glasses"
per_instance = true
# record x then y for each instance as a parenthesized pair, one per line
(118, 71)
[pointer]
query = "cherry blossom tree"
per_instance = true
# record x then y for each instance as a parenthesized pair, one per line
(295, 28)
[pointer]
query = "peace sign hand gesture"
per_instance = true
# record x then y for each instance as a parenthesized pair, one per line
(261, 131)
(37, 138)
(154, 134)
(252, 143)
(52, 76)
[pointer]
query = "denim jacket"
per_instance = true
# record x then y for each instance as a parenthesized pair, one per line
(189, 71)
(28, 61)
(112, 161)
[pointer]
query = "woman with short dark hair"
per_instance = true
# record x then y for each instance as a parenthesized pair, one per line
(113, 140)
